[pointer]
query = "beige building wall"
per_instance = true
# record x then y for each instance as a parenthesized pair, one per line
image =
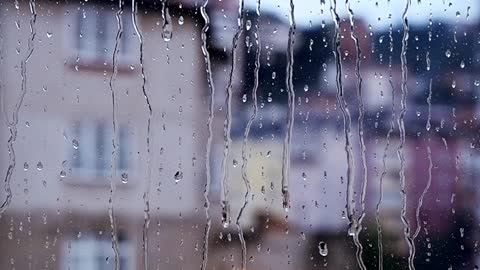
(54, 203)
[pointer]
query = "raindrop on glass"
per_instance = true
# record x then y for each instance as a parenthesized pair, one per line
(39, 166)
(249, 24)
(75, 144)
(322, 248)
(124, 178)
(178, 176)
(448, 53)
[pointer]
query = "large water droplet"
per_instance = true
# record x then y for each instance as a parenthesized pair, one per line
(448, 53)
(167, 32)
(178, 176)
(75, 144)
(39, 166)
(244, 98)
(248, 24)
(124, 178)
(322, 248)
(181, 20)
(25, 166)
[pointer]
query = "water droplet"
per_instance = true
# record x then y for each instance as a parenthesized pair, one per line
(49, 34)
(462, 64)
(39, 166)
(181, 20)
(124, 178)
(304, 176)
(25, 166)
(305, 88)
(477, 83)
(248, 24)
(235, 163)
(322, 248)
(178, 176)
(167, 32)
(448, 53)
(244, 98)
(63, 174)
(75, 144)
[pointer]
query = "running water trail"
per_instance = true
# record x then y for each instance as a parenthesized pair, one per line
(420, 199)
(146, 193)
(385, 153)
(245, 137)
(429, 182)
(401, 127)
(111, 213)
(429, 102)
(12, 126)
(206, 193)
(361, 112)
(227, 126)
(291, 112)
(167, 27)
(347, 121)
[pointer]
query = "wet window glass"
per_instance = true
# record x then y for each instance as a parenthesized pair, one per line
(222, 134)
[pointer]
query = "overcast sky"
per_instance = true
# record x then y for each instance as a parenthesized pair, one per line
(377, 15)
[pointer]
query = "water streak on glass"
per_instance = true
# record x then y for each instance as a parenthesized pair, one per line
(429, 102)
(115, 144)
(252, 118)
(208, 69)
(291, 111)
(227, 127)
(12, 126)
(401, 127)
(422, 196)
(361, 112)
(167, 27)
(347, 122)
(146, 193)
(385, 153)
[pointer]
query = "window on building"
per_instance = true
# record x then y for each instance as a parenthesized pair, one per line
(94, 252)
(92, 153)
(95, 30)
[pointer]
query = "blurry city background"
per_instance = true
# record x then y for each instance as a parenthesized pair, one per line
(183, 134)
